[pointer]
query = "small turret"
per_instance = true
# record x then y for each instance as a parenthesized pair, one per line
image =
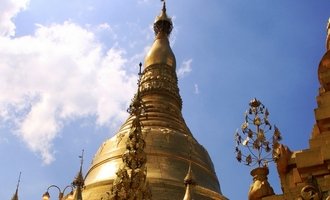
(78, 182)
(189, 183)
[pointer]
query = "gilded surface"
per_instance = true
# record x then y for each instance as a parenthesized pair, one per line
(162, 80)
(189, 182)
(130, 182)
(260, 186)
(160, 52)
(170, 146)
(324, 71)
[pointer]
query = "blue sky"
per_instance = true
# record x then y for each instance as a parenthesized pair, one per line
(68, 72)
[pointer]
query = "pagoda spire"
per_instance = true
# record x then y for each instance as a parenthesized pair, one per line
(156, 120)
(163, 24)
(15, 196)
(159, 80)
(131, 181)
(78, 182)
(164, 5)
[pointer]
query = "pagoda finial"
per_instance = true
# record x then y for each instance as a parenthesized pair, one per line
(140, 77)
(259, 141)
(164, 5)
(259, 149)
(163, 24)
(81, 158)
(15, 196)
(136, 107)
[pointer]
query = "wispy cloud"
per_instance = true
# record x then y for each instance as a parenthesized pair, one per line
(185, 68)
(196, 88)
(52, 77)
(174, 32)
(108, 29)
(143, 1)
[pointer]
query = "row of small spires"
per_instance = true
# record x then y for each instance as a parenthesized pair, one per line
(79, 183)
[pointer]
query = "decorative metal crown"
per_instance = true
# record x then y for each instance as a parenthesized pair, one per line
(259, 145)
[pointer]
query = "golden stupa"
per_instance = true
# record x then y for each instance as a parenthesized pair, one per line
(171, 149)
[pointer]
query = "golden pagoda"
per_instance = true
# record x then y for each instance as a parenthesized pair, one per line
(170, 148)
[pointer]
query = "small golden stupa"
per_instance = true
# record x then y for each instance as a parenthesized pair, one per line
(170, 147)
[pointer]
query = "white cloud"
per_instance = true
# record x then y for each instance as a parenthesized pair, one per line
(174, 32)
(52, 77)
(185, 68)
(196, 88)
(105, 27)
(8, 10)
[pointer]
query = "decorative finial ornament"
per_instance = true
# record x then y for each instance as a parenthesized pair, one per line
(140, 77)
(137, 107)
(260, 149)
(163, 24)
(15, 196)
(311, 190)
(131, 181)
(82, 157)
(140, 72)
(78, 182)
(164, 5)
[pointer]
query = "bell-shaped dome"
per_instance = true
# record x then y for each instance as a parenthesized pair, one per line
(169, 144)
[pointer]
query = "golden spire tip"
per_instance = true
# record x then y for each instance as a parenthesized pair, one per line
(164, 5)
